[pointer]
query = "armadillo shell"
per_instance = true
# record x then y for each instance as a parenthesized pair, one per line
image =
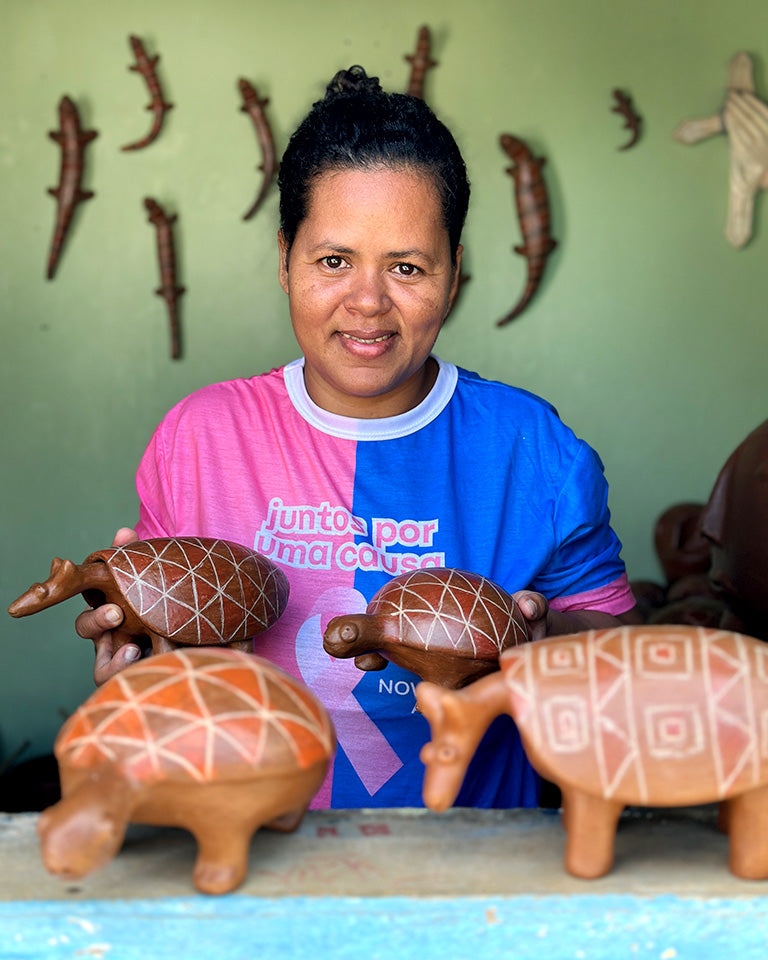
(198, 714)
(445, 609)
(197, 590)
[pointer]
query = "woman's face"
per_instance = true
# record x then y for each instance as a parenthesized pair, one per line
(370, 282)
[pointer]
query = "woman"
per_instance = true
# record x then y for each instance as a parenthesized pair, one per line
(369, 456)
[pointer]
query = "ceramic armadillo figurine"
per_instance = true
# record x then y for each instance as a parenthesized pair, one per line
(216, 741)
(649, 716)
(174, 591)
(443, 624)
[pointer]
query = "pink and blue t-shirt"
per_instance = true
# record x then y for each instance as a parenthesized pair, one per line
(480, 476)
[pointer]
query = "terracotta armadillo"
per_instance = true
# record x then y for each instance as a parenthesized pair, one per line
(216, 741)
(174, 591)
(649, 716)
(443, 624)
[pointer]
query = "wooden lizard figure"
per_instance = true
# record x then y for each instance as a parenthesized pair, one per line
(744, 118)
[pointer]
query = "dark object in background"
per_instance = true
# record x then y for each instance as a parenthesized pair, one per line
(72, 139)
(680, 545)
(533, 212)
(420, 62)
(735, 522)
(632, 119)
(253, 105)
(166, 255)
(146, 66)
(30, 786)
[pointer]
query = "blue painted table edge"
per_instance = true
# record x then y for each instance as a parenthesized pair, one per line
(235, 927)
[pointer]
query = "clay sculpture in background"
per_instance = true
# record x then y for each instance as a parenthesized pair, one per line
(735, 522)
(146, 66)
(443, 624)
(632, 120)
(217, 742)
(684, 555)
(166, 255)
(253, 105)
(420, 62)
(72, 139)
(651, 716)
(744, 119)
(680, 546)
(533, 212)
(173, 591)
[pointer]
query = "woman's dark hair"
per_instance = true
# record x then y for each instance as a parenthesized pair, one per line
(358, 125)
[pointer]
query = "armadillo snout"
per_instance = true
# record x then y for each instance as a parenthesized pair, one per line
(341, 636)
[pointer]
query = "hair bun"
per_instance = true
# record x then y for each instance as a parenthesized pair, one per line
(352, 82)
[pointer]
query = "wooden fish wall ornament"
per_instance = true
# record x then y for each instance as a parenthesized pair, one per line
(744, 118)
(146, 66)
(533, 211)
(633, 120)
(166, 255)
(72, 139)
(253, 105)
(420, 62)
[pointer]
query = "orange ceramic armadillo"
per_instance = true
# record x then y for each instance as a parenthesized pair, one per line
(650, 716)
(216, 741)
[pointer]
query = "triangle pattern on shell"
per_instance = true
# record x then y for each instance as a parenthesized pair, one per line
(617, 747)
(181, 593)
(734, 728)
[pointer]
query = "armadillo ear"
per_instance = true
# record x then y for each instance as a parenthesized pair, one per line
(429, 701)
(60, 568)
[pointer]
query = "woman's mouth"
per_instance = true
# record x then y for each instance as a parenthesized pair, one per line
(366, 340)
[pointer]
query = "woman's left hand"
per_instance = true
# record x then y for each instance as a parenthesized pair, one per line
(543, 621)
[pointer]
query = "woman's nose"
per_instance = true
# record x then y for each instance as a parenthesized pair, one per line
(368, 293)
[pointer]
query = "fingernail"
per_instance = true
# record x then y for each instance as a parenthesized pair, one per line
(113, 616)
(132, 653)
(530, 609)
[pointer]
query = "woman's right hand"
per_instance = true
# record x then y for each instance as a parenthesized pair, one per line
(97, 625)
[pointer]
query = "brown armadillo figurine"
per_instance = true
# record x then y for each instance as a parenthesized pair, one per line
(443, 624)
(174, 591)
(650, 716)
(216, 741)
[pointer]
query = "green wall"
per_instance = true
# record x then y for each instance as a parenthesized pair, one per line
(649, 333)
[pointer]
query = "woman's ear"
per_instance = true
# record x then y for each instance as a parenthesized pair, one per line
(282, 272)
(455, 281)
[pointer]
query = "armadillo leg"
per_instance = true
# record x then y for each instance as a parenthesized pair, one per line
(287, 822)
(590, 824)
(222, 856)
(748, 834)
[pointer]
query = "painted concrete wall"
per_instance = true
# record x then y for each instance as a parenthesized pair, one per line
(649, 333)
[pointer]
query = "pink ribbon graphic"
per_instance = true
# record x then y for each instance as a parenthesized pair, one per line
(371, 756)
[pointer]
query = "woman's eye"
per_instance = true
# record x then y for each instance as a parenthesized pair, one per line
(407, 269)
